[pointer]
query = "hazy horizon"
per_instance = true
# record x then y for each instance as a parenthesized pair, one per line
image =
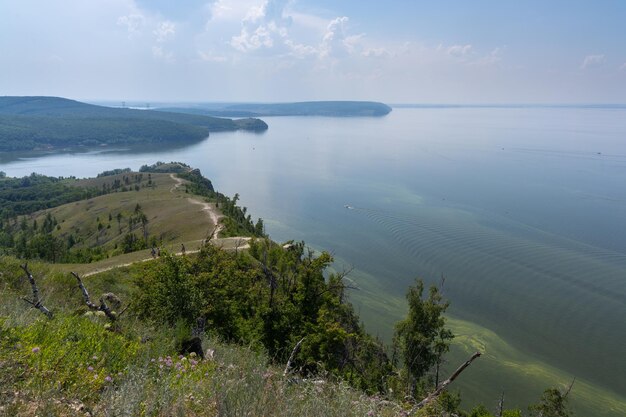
(303, 50)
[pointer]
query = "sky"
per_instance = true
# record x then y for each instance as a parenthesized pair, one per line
(395, 51)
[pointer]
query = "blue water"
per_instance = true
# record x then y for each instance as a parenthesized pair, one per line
(522, 210)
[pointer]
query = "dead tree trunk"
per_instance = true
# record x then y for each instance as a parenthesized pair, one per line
(102, 307)
(293, 354)
(36, 302)
(437, 392)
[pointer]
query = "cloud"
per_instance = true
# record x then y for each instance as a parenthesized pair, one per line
(623, 67)
(263, 27)
(132, 22)
(591, 61)
(336, 42)
(459, 51)
(246, 41)
(164, 30)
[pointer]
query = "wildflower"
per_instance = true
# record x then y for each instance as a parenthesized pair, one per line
(94, 357)
(90, 368)
(108, 378)
(192, 354)
(35, 349)
(180, 356)
(152, 360)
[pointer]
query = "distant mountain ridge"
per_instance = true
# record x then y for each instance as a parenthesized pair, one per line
(37, 122)
(305, 108)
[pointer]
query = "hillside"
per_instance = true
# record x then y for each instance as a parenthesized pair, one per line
(308, 108)
(209, 325)
(28, 123)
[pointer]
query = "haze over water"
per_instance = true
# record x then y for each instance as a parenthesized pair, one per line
(521, 209)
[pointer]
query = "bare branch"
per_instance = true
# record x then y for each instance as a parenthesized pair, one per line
(107, 311)
(103, 306)
(433, 395)
(569, 388)
(36, 302)
(293, 354)
(125, 308)
(85, 293)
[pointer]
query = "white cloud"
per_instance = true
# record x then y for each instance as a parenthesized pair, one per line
(245, 41)
(164, 30)
(336, 42)
(132, 22)
(459, 51)
(591, 61)
(231, 9)
(263, 26)
(493, 58)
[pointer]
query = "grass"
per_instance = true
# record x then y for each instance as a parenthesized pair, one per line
(78, 363)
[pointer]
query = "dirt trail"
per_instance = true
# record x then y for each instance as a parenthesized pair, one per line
(211, 211)
(239, 242)
(227, 243)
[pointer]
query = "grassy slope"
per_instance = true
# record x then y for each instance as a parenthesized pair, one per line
(170, 215)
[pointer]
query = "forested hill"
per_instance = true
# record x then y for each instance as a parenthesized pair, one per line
(28, 123)
(307, 108)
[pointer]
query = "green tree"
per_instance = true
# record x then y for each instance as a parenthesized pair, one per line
(421, 338)
(553, 403)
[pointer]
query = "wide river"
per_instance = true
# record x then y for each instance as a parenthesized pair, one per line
(522, 210)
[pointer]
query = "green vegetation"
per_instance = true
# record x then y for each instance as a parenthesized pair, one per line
(309, 108)
(28, 123)
(279, 333)
(36, 192)
(118, 212)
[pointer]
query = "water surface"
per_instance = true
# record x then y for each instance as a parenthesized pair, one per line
(522, 210)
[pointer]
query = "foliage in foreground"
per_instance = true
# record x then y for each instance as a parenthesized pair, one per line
(79, 363)
(271, 299)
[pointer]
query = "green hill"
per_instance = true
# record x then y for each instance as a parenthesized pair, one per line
(28, 123)
(307, 108)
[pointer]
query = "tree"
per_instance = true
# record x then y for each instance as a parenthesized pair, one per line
(553, 403)
(421, 338)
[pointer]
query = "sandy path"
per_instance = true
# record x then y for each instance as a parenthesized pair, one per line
(214, 215)
(237, 243)
(211, 211)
